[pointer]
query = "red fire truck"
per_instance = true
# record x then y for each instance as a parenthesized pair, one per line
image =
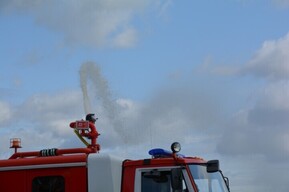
(87, 170)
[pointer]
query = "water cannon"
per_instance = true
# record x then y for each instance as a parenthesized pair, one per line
(87, 129)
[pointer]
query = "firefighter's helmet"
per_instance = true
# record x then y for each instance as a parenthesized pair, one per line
(91, 117)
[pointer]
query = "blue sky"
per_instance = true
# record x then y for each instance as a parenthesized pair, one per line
(210, 74)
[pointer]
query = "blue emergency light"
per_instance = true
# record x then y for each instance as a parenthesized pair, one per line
(158, 153)
(161, 153)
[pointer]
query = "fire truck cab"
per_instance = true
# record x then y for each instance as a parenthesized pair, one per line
(86, 170)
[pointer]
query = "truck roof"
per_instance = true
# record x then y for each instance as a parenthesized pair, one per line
(43, 162)
(165, 161)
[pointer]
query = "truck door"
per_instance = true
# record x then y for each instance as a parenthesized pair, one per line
(162, 180)
(57, 180)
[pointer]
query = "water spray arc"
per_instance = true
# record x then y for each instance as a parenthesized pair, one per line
(95, 88)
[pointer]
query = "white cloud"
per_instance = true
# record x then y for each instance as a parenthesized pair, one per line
(45, 107)
(127, 38)
(275, 95)
(5, 112)
(260, 129)
(271, 61)
(282, 3)
(163, 6)
(88, 22)
(42, 120)
(256, 136)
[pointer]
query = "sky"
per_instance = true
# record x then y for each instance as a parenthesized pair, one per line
(212, 75)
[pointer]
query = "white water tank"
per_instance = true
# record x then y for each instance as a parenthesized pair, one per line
(104, 173)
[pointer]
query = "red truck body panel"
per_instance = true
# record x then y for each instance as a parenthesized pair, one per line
(18, 175)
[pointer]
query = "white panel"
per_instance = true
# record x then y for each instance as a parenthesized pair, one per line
(104, 173)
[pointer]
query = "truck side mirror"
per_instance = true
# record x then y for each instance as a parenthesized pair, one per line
(213, 166)
(177, 179)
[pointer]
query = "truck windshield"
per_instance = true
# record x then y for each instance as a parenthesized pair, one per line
(207, 182)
